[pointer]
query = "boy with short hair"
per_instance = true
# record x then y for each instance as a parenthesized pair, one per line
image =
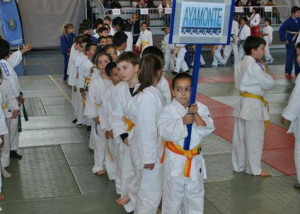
(120, 41)
(112, 163)
(128, 65)
(183, 177)
(292, 113)
(252, 80)
(145, 38)
(102, 41)
(79, 75)
(103, 31)
(268, 37)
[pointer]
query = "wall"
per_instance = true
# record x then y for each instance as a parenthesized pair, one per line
(43, 19)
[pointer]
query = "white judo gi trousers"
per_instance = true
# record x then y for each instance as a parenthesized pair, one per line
(74, 102)
(180, 62)
(100, 147)
(227, 51)
(268, 55)
(181, 193)
(297, 156)
(111, 158)
(80, 108)
(169, 60)
(150, 190)
(247, 146)
(128, 177)
(10, 141)
(217, 56)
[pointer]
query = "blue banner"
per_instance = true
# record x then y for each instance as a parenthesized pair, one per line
(11, 22)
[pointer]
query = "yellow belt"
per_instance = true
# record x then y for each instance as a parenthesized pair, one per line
(189, 154)
(87, 80)
(4, 106)
(261, 98)
(98, 105)
(145, 43)
(130, 124)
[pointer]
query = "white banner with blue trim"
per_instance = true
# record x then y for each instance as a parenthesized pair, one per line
(11, 25)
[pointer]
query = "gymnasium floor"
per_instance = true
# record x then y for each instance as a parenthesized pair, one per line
(54, 176)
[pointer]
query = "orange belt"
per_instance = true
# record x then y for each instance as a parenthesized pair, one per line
(189, 154)
(130, 124)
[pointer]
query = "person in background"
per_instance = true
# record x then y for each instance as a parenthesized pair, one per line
(66, 42)
(288, 33)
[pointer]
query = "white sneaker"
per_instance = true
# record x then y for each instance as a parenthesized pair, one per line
(271, 61)
(5, 173)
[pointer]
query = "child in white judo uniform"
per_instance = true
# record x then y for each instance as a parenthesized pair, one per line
(168, 50)
(145, 38)
(79, 83)
(268, 37)
(120, 42)
(3, 131)
(251, 110)
(244, 32)
(123, 127)
(71, 72)
(10, 107)
(233, 44)
(112, 163)
(180, 61)
(7, 63)
(83, 67)
(292, 113)
(183, 171)
(97, 91)
(145, 107)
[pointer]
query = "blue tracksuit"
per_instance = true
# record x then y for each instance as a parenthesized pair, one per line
(66, 44)
(290, 25)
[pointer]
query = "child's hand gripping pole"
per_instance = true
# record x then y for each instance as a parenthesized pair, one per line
(193, 92)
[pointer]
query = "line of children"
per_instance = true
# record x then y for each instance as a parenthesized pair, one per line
(124, 100)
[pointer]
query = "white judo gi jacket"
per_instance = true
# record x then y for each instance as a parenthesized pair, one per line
(250, 76)
(9, 73)
(171, 128)
(146, 107)
(9, 101)
(292, 110)
(71, 66)
(145, 40)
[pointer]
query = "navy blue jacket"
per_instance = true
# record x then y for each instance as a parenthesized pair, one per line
(292, 25)
(66, 43)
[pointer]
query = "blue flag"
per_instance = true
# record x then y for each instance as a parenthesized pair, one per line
(11, 22)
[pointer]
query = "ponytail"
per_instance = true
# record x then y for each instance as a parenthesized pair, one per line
(65, 29)
(150, 66)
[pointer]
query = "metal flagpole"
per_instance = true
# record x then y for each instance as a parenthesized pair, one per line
(196, 71)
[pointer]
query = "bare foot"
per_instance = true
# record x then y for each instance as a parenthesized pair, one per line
(118, 201)
(101, 173)
(265, 174)
(5, 173)
(1, 197)
(124, 200)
